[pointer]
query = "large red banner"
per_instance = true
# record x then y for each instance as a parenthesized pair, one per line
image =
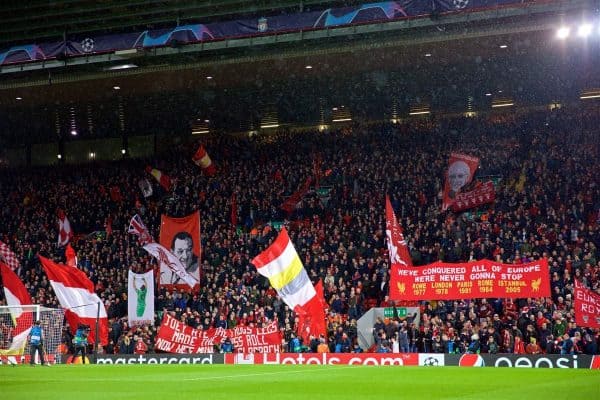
(176, 337)
(181, 236)
(476, 279)
(461, 169)
(587, 307)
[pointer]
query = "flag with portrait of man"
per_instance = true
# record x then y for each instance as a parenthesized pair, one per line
(461, 169)
(181, 236)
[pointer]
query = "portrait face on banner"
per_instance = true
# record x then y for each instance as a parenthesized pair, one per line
(458, 176)
(182, 237)
(460, 172)
(182, 246)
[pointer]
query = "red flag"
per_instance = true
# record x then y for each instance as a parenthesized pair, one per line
(311, 316)
(9, 257)
(291, 202)
(163, 179)
(202, 159)
(461, 169)
(587, 307)
(234, 218)
(182, 237)
(483, 194)
(16, 295)
(399, 254)
(65, 233)
(15, 292)
(75, 292)
(71, 256)
(397, 249)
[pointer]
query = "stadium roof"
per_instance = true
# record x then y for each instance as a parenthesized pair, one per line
(450, 63)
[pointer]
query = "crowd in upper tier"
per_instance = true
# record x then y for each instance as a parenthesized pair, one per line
(338, 230)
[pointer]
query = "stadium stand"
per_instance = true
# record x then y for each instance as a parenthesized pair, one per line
(555, 215)
(543, 160)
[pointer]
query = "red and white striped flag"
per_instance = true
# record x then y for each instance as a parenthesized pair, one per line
(75, 292)
(65, 233)
(16, 295)
(9, 257)
(163, 179)
(202, 160)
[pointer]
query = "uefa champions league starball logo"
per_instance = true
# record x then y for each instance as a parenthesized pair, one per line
(87, 45)
(460, 4)
(431, 362)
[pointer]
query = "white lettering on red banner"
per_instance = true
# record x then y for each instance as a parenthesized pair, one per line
(477, 279)
(587, 307)
(176, 337)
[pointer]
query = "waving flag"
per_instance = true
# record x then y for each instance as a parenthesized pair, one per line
(311, 316)
(399, 254)
(461, 169)
(202, 160)
(397, 248)
(16, 295)
(172, 270)
(182, 237)
(290, 204)
(137, 227)
(65, 233)
(9, 257)
(71, 256)
(282, 266)
(482, 194)
(75, 292)
(161, 178)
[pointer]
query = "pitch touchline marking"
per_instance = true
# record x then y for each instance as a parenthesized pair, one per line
(208, 378)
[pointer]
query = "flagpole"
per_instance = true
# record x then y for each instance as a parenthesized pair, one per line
(96, 335)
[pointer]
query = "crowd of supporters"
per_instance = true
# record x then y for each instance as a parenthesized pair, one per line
(545, 164)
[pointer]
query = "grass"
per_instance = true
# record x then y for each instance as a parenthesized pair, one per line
(236, 382)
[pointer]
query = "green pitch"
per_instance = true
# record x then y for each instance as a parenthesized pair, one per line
(235, 382)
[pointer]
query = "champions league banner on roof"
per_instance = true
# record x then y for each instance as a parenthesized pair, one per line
(82, 45)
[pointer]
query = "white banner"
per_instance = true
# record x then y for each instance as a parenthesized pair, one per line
(140, 293)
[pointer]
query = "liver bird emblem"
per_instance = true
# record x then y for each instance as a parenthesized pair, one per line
(401, 287)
